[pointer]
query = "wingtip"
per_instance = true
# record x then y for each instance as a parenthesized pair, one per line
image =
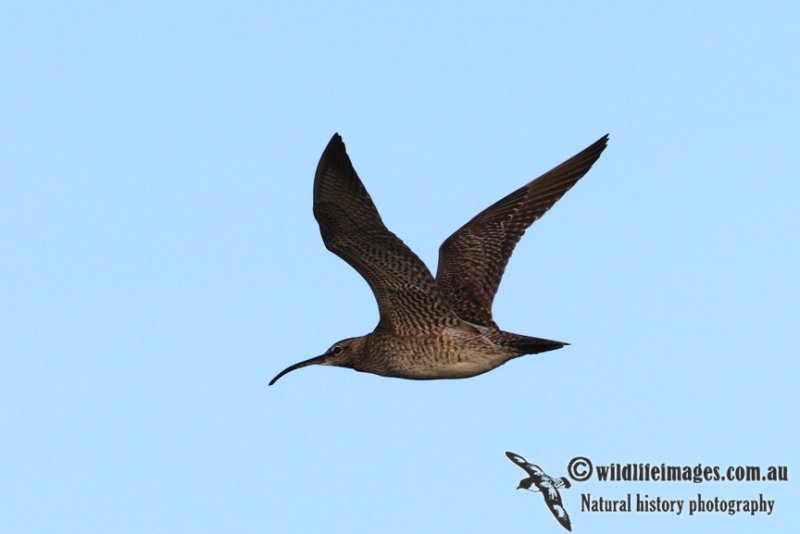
(335, 146)
(336, 139)
(593, 151)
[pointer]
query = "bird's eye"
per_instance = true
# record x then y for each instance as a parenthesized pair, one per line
(336, 350)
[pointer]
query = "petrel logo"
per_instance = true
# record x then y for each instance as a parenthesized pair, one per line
(546, 484)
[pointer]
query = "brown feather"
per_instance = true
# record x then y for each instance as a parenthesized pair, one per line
(473, 259)
(407, 295)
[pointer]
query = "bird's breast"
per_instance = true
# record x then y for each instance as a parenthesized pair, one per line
(449, 354)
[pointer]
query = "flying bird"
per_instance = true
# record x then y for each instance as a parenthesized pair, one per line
(547, 485)
(440, 327)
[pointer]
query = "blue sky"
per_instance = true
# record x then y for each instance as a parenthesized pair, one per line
(162, 264)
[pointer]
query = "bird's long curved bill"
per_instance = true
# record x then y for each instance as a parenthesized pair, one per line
(311, 361)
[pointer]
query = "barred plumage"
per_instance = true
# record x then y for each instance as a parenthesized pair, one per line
(431, 327)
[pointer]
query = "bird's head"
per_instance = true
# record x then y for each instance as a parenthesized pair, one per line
(341, 354)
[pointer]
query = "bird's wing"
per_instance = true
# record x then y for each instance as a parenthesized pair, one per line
(407, 295)
(472, 260)
(531, 469)
(553, 500)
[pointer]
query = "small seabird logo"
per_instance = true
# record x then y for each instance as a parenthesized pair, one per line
(546, 484)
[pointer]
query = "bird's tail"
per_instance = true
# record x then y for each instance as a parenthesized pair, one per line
(532, 345)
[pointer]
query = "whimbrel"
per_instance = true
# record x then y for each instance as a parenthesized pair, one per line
(547, 485)
(431, 327)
